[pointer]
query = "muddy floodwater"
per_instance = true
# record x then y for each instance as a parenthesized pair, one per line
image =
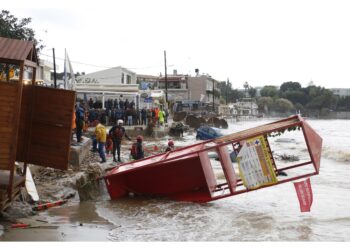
(270, 214)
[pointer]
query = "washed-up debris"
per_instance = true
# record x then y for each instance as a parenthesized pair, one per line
(40, 207)
(285, 157)
(25, 226)
(193, 121)
(19, 225)
(87, 185)
(285, 140)
(223, 123)
(179, 116)
(214, 121)
(177, 129)
(44, 221)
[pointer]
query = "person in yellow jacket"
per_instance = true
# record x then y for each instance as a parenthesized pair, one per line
(100, 141)
(161, 116)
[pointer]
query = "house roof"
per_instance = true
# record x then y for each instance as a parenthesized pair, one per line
(18, 50)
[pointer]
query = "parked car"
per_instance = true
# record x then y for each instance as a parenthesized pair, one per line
(206, 133)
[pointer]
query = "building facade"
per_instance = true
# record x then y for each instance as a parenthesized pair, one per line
(341, 92)
(114, 83)
(203, 88)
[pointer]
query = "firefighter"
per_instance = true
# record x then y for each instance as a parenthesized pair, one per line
(117, 132)
(137, 149)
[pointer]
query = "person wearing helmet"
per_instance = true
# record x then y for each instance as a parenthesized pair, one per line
(137, 149)
(117, 132)
(171, 146)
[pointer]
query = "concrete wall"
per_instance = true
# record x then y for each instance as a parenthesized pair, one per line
(199, 85)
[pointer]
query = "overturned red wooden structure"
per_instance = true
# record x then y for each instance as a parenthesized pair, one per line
(186, 174)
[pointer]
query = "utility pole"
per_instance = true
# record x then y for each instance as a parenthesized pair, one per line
(54, 69)
(166, 79)
(213, 96)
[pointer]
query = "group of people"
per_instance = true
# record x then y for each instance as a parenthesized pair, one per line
(114, 139)
(111, 141)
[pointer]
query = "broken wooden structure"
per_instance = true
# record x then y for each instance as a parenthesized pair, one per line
(35, 121)
(187, 174)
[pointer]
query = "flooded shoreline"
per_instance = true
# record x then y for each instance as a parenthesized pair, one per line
(270, 214)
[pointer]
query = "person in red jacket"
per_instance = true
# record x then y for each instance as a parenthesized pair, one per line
(171, 146)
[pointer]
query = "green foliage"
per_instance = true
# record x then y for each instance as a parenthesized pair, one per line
(289, 86)
(12, 27)
(295, 96)
(252, 92)
(232, 95)
(312, 100)
(282, 105)
(343, 103)
(269, 91)
(264, 104)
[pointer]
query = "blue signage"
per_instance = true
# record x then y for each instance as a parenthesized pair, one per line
(148, 100)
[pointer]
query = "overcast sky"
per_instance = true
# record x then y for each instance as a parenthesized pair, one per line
(263, 42)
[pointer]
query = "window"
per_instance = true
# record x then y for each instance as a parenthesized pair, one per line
(128, 79)
(122, 77)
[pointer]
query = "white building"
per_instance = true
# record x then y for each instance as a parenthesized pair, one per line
(341, 92)
(113, 83)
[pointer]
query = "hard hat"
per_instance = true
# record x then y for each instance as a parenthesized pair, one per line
(139, 138)
(120, 121)
(170, 143)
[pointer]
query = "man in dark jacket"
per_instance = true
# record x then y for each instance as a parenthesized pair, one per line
(117, 132)
(79, 121)
(143, 116)
(139, 148)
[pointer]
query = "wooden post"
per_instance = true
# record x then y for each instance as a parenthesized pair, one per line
(13, 150)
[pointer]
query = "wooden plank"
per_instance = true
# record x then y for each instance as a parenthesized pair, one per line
(8, 107)
(48, 141)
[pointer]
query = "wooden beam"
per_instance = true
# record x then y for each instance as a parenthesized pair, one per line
(16, 121)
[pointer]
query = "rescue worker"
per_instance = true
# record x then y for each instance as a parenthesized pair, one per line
(117, 132)
(161, 117)
(101, 136)
(137, 150)
(171, 146)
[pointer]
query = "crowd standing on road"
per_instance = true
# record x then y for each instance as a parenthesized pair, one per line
(116, 114)
(124, 110)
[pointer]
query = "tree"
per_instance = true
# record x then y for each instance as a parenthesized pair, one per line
(12, 27)
(343, 103)
(290, 86)
(269, 91)
(265, 103)
(295, 96)
(283, 105)
(252, 92)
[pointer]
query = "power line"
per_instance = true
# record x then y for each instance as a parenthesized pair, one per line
(105, 67)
